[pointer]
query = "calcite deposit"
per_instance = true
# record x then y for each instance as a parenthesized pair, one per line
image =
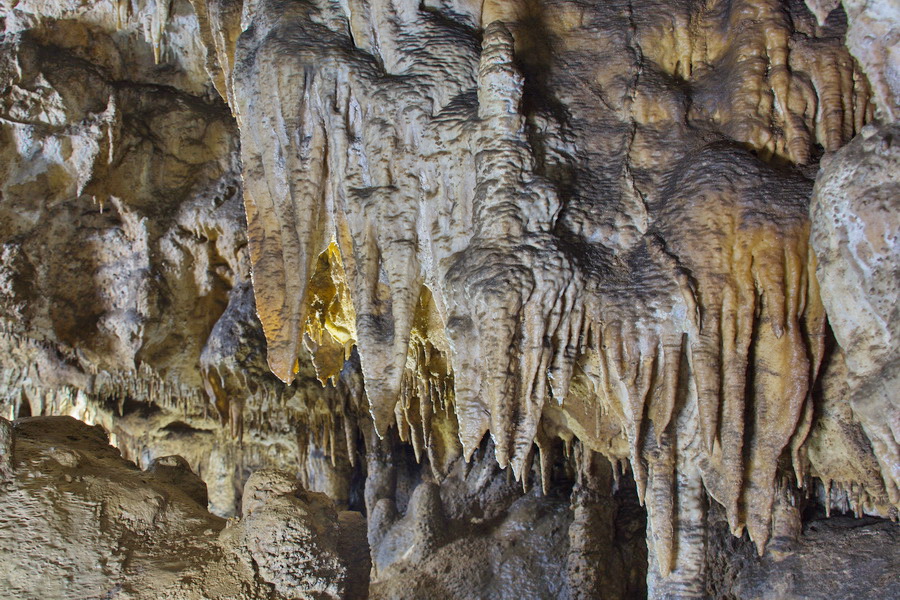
(551, 299)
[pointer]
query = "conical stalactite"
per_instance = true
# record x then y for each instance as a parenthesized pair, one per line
(512, 278)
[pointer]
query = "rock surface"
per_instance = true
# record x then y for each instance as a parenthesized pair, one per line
(527, 284)
(834, 558)
(79, 521)
(856, 236)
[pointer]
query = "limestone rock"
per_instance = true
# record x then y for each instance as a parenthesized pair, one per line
(176, 471)
(857, 238)
(838, 558)
(93, 525)
(81, 522)
(477, 534)
(293, 537)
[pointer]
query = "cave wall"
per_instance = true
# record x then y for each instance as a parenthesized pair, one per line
(79, 521)
(496, 274)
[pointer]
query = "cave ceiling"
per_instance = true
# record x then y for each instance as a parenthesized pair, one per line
(643, 245)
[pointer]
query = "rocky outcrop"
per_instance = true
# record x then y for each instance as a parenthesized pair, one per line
(857, 239)
(81, 522)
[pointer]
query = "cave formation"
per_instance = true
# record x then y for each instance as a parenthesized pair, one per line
(449, 299)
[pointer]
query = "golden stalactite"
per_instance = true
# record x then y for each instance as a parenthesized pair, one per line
(425, 414)
(330, 330)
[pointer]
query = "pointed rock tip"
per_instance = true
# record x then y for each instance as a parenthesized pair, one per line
(282, 369)
(381, 407)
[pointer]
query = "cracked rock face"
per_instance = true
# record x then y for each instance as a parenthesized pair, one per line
(559, 297)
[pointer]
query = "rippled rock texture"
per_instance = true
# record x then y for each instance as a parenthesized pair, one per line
(540, 287)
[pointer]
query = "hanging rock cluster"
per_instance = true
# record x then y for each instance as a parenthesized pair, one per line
(612, 237)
